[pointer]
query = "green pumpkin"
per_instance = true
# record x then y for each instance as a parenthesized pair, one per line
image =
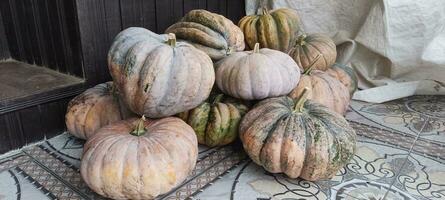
(277, 29)
(216, 121)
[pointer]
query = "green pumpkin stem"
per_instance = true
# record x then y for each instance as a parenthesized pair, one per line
(300, 102)
(256, 48)
(309, 69)
(171, 40)
(301, 40)
(140, 127)
(218, 98)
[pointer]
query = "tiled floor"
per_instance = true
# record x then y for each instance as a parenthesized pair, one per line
(400, 155)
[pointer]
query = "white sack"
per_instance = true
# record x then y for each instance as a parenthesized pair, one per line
(397, 47)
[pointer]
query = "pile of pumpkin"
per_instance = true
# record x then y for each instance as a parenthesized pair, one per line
(295, 125)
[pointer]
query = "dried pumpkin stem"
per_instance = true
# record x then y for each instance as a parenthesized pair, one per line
(264, 10)
(300, 102)
(308, 70)
(301, 40)
(140, 127)
(171, 40)
(256, 48)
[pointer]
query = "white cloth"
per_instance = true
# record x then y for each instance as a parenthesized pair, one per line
(397, 47)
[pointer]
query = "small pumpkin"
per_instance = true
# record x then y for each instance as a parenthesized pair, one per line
(156, 77)
(308, 47)
(93, 109)
(298, 138)
(209, 32)
(257, 74)
(139, 159)
(346, 75)
(326, 90)
(216, 121)
(277, 29)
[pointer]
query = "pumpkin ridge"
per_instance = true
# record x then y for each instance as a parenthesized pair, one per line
(102, 164)
(270, 130)
(199, 36)
(335, 94)
(321, 52)
(284, 136)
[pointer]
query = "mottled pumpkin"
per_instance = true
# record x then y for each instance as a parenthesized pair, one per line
(139, 159)
(277, 29)
(156, 77)
(216, 121)
(93, 109)
(300, 139)
(326, 90)
(257, 74)
(209, 32)
(346, 75)
(308, 47)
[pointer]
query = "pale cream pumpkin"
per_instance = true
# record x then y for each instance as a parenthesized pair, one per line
(257, 74)
(139, 159)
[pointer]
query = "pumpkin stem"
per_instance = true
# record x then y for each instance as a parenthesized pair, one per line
(309, 69)
(256, 48)
(300, 102)
(140, 128)
(264, 11)
(171, 40)
(301, 40)
(218, 98)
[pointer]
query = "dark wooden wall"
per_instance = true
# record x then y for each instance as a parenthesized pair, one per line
(4, 49)
(101, 20)
(43, 32)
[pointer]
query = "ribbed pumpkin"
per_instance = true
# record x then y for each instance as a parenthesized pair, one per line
(277, 29)
(216, 121)
(308, 47)
(209, 32)
(142, 159)
(346, 75)
(301, 139)
(93, 109)
(326, 90)
(257, 74)
(159, 78)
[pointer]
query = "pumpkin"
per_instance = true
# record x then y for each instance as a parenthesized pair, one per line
(308, 47)
(326, 90)
(298, 138)
(93, 109)
(257, 74)
(209, 32)
(345, 75)
(139, 159)
(277, 29)
(216, 121)
(159, 78)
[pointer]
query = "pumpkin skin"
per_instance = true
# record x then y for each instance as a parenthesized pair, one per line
(345, 75)
(159, 78)
(216, 121)
(312, 143)
(209, 32)
(325, 89)
(277, 29)
(93, 109)
(257, 74)
(124, 162)
(308, 47)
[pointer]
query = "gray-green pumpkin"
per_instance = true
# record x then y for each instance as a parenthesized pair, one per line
(210, 32)
(299, 138)
(157, 76)
(216, 121)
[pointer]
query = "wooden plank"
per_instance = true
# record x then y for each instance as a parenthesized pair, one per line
(71, 28)
(164, 14)
(14, 130)
(190, 5)
(178, 10)
(112, 18)
(5, 144)
(10, 24)
(53, 116)
(4, 48)
(235, 10)
(31, 124)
